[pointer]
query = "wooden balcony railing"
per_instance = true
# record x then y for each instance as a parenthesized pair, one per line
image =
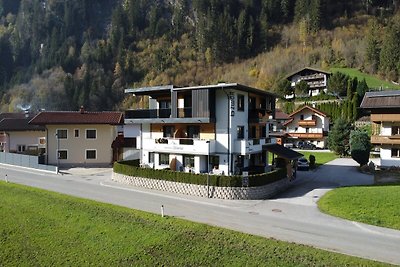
(385, 140)
(385, 117)
(307, 135)
(308, 123)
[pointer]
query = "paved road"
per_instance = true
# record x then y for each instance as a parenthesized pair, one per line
(292, 216)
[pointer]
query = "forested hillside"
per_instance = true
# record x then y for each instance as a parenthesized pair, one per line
(60, 54)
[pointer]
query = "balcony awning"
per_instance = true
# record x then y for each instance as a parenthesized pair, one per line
(282, 151)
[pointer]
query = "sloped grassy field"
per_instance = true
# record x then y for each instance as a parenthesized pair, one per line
(40, 228)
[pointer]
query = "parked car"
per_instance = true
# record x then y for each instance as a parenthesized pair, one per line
(289, 145)
(302, 164)
(306, 145)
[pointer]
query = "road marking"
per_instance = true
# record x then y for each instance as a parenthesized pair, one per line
(166, 196)
(360, 226)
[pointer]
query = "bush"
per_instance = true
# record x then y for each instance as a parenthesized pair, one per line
(360, 146)
(311, 159)
(199, 179)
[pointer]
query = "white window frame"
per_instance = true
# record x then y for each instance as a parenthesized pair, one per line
(61, 129)
(23, 148)
(86, 150)
(57, 154)
(79, 133)
(86, 134)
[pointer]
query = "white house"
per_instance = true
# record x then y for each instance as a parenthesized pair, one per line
(316, 79)
(308, 124)
(385, 118)
(220, 128)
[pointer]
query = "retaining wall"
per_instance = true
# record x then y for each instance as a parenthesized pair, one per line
(241, 193)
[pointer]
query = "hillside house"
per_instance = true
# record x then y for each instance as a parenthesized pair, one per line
(308, 124)
(316, 79)
(384, 107)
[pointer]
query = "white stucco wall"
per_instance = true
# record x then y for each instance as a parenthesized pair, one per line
(77, 146)
(27, 138)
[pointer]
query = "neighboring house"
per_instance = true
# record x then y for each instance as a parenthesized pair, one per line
(17, 136)
(385, 118)
(221, 127)
(308, 124)
(316, 79)
(278, 133)
(80, 138)
(362, 122)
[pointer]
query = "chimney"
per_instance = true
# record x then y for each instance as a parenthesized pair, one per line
(82, 110)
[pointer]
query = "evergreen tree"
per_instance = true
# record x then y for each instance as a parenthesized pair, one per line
(338, 138)
(390, 53)
(337, 83)
(373, 44)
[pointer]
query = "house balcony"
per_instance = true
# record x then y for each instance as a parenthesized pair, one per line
(182, 115)
(306, 135)
(148, 113)
(308, 123)
(258, 115)
(190, 146)
(250, 146)
(378, 118)
(385, 140)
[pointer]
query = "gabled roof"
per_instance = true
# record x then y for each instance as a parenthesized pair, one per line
(307, 68)
(78, 117)
(11, 115)
(19, 125)
(310, 108)
(280, 115)
(381, 99)
(282, 151)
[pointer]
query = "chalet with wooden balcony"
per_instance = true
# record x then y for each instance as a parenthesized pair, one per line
(308, 124)
(219, 127)
(384, 107)
(316, 79)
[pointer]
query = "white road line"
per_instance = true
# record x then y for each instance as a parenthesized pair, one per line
(165, 196)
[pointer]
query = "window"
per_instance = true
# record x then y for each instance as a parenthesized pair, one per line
(91, 154)
(263, 131)
(307, 130)
(76, 133)
(21, 148)
(188, 161)
(193, 131)
(301, 117)
(395, 130)
(168, 131)
(240, 103)
(62, 134)
(163, 159)
(395, 152)
(214, 162)
(240, 132)
(62, 154)
(91, 134)
(165, 104)
(151, 157)
(253, 132)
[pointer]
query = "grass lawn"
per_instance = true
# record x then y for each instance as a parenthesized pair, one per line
(40, 228)
(377, 205)
(320, 157)
(372, 81)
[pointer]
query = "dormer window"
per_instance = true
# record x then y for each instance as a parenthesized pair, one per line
(301, 117)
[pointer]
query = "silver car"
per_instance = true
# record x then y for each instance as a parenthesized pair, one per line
(302, 164)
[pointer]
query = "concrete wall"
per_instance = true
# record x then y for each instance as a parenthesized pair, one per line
(25, 161)
(77, 146)
(241, 193)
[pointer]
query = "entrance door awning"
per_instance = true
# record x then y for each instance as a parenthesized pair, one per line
(282, 151)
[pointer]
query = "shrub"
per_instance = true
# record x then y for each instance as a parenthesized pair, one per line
(311, 159)
(199, 179)
(360, 146)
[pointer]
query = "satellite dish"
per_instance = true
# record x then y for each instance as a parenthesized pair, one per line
(24, 107)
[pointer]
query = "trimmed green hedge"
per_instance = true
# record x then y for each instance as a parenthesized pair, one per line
(199, 179)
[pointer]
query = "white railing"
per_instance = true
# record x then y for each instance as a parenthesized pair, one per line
(180, 145)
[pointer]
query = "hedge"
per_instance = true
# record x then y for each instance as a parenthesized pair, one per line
(199, 179)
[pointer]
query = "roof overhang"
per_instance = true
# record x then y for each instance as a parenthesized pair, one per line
(282, 151)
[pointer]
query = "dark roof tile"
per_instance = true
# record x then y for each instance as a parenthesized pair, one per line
(78, 117)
